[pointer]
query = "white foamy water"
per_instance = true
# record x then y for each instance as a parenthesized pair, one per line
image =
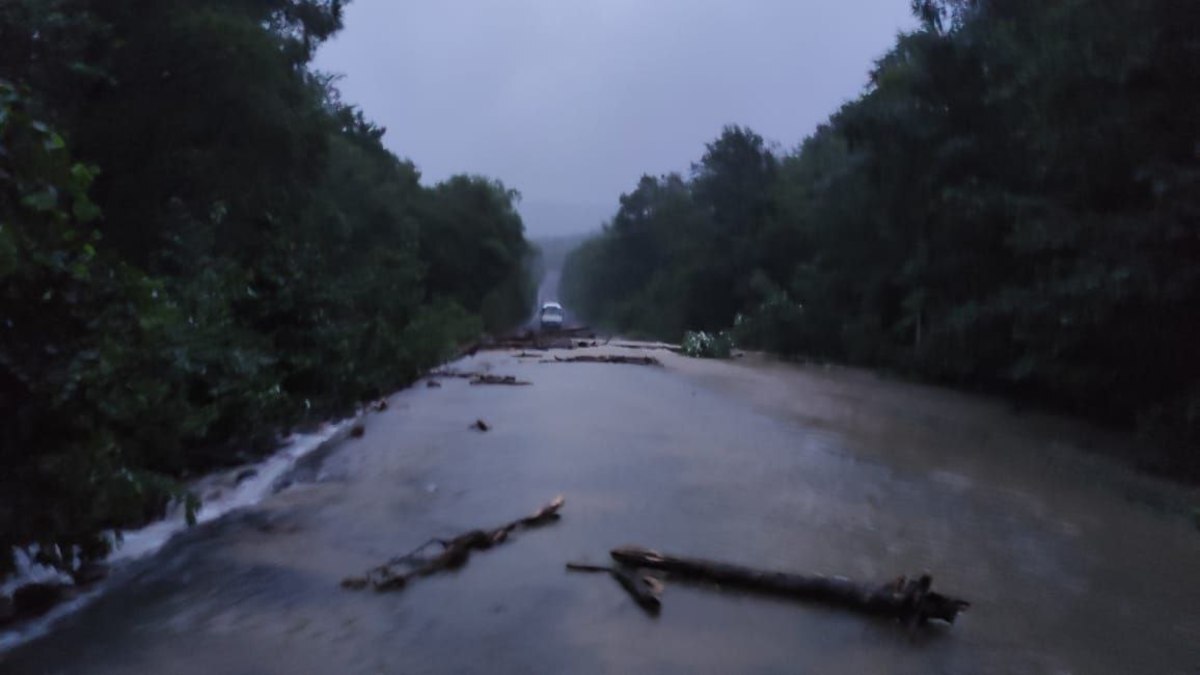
(221, 493)
(30, 572)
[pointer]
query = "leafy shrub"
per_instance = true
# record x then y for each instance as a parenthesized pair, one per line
(705, 345)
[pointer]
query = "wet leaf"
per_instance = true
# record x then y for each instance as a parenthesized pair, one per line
(44, 200)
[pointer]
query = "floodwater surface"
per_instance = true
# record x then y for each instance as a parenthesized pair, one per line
(1073, 564)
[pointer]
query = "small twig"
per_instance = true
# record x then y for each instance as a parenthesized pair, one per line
(408, 557)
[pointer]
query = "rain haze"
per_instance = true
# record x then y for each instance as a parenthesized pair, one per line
(317, 356)
(571, 102)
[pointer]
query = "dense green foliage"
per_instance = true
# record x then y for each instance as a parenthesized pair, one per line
(704, 345)
(202, 247)
(1012, 203)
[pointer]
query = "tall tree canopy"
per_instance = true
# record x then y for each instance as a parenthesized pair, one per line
(202, 246)
(1012, 203)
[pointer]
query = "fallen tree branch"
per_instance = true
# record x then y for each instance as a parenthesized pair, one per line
(512, 380)
(479, 378)
(531, 339)
(610, 358)
(645, 590)
(908, 600)
(397, 572)
(453, 373)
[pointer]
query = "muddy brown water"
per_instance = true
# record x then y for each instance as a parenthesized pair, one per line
(1074, 564)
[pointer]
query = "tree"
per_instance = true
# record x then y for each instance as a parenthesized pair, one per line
(202, 246)
(1010, 204)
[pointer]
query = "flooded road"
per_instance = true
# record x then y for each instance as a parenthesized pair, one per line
(1073, 565)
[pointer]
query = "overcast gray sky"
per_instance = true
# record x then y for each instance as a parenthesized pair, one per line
(571, 101)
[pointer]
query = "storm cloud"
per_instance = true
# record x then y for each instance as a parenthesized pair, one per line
(570, 102)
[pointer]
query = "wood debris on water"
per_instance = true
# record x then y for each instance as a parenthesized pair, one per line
(608, 358)
(510, 380)
(398, 572)
(910, 600)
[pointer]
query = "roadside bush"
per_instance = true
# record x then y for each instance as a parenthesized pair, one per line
(705, 345)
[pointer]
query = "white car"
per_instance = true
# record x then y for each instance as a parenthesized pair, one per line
(551, 316)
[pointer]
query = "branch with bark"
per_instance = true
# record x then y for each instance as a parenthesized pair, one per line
(645, 590)
(609, 358)
(484, 378)
(910, 600)
(396, 573)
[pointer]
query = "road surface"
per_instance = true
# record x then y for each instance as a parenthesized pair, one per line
(1074, 565)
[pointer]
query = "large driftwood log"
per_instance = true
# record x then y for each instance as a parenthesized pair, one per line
(610, 358)
(397, 572)
(909, 600)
